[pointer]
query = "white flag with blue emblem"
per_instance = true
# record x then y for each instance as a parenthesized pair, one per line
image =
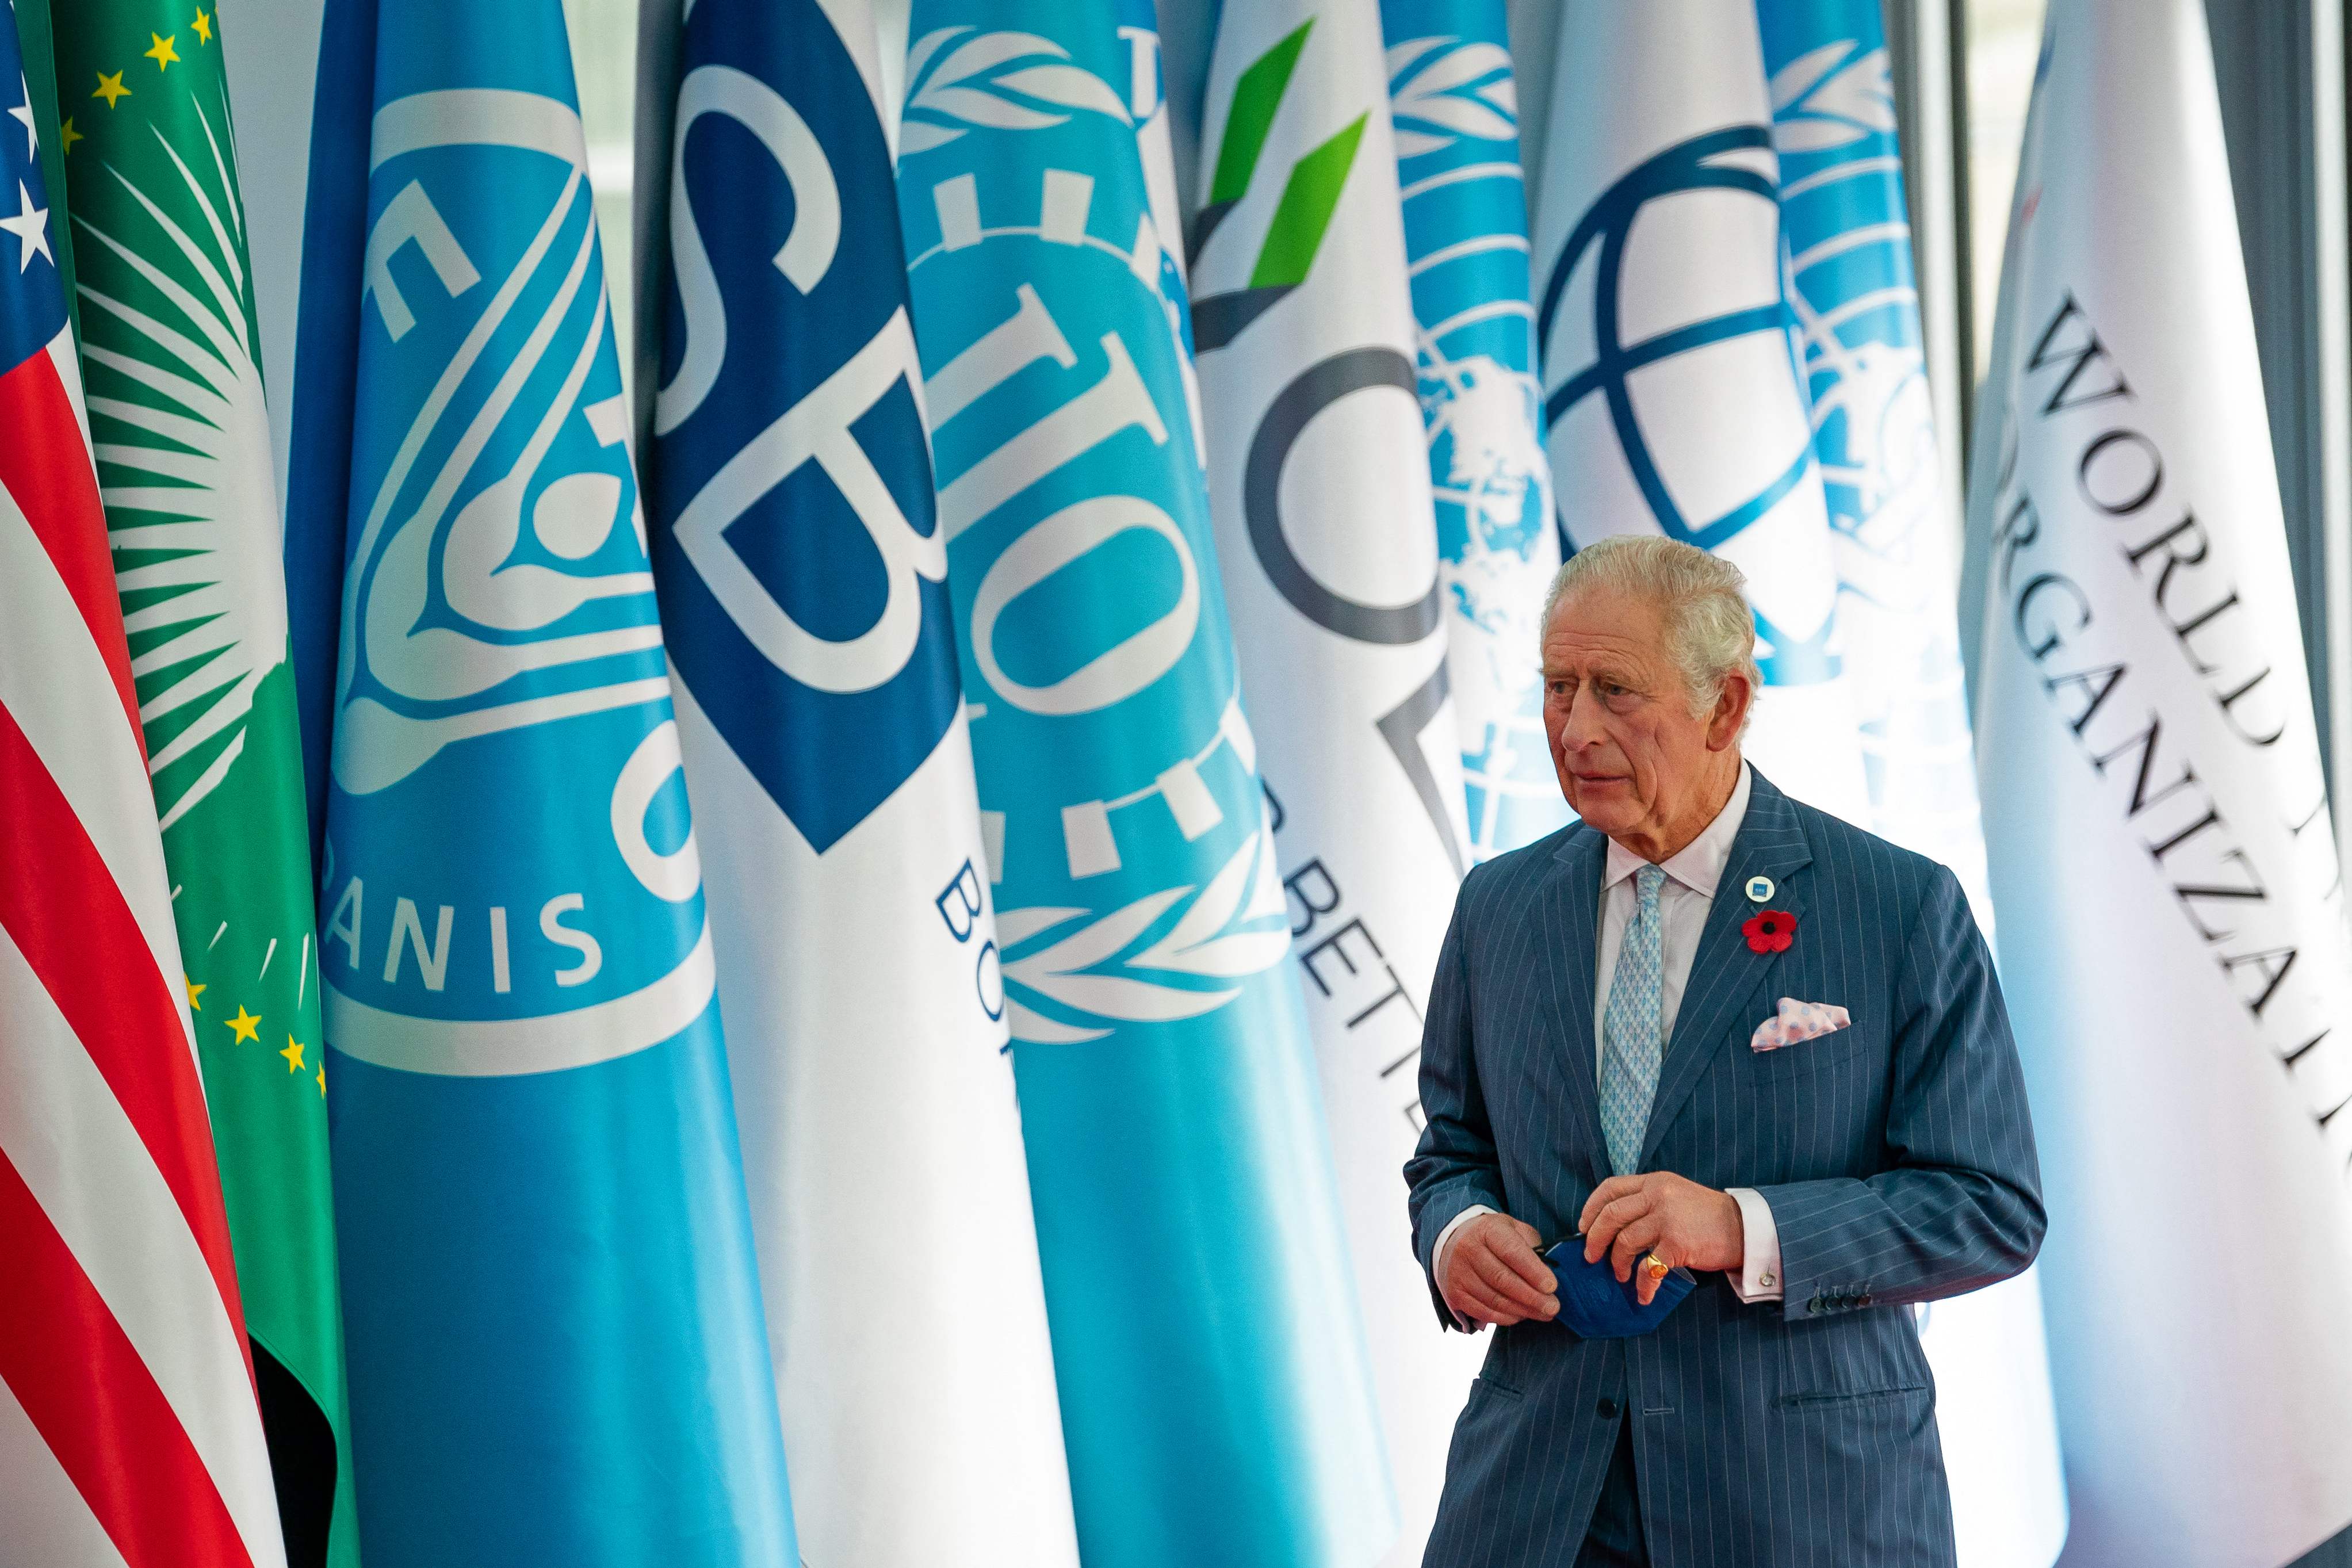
(1320, 484)
(2161, 849)
(552, 1309)
(803, 581)
(1674, 401)
(1894, 541)
(1455, 111)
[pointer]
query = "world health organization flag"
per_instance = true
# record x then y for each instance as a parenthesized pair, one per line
(1892, 537)
(1455, 109)
(804, 588)
(1213, 1388)
(554, 1328)
(1674, 400)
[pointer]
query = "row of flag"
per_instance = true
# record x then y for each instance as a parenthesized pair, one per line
(1095, 621)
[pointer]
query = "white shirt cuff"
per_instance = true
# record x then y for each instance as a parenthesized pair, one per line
(1437, 1258)
(1759, 1279)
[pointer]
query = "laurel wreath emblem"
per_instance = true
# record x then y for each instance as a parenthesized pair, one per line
(1072, 974)
(1441, 89)
(1006, 82)
(1833, 97)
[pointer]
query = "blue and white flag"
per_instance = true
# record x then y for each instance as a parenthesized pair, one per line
(553, 1322)
(1215, 1394)
(1455, 109)
(803, 587)
(1318, 478)
(1674, 399)
(1895, 541)
(1892, 531)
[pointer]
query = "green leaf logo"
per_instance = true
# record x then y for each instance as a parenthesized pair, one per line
(1302, 216)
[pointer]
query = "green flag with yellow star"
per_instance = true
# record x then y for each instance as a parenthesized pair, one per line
(169, 345)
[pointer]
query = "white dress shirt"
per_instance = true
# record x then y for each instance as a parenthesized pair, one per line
(1693, 874)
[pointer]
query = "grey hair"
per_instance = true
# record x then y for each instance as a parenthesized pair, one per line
(1710, 633)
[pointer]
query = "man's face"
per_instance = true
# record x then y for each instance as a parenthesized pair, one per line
(1632, 759)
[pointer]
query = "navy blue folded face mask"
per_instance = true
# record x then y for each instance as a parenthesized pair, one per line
(1597, 1305)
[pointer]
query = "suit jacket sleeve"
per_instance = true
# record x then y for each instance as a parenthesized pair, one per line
(1959, 1202)
(1455, 1166)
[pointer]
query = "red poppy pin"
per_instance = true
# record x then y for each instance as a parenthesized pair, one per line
(1772, 931)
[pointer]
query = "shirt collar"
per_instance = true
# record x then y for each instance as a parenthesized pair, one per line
(1700, 863)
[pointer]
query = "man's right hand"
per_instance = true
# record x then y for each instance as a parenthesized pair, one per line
(1491, 1273)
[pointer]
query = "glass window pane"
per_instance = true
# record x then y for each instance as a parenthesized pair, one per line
(604, 58)
(2004, 39)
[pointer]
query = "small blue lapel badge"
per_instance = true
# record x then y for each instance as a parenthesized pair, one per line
(1760, 888)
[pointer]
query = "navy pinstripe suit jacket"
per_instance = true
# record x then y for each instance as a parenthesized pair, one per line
(1896, 1155)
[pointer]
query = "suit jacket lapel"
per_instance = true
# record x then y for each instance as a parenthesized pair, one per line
(1572, 940)
(1725, 975)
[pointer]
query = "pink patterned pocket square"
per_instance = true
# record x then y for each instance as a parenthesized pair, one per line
(1798, 1021)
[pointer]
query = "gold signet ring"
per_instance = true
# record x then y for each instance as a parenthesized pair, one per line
(1654, 1266)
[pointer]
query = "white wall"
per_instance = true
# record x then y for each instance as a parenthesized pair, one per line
(273, 61)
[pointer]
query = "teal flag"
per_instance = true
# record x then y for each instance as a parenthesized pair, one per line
(1215, 1398)
(553, 1326)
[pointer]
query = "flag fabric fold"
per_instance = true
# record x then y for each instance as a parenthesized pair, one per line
(1674, 399)
(1893, 540)
(1214, 1396)
(129, 1427)
(553, 1323)
(803, 580)
(1454, 107)
(1319, 483)
(1892, 533)
(2161, 850)
(170, 352)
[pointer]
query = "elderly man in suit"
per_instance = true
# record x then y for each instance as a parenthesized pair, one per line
(1620, 1046)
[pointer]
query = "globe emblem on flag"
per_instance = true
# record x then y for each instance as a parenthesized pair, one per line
(1492, 501)
(1857, 309)
(1482, 417)
(1675, 401)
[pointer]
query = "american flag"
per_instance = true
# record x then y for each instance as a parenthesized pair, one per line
(130, 1432)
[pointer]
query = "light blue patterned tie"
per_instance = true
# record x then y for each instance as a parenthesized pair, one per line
(1632, 1041)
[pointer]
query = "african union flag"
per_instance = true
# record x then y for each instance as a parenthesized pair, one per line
(170, 352)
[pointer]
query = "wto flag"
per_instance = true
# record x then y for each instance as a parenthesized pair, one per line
(804, 588)
(1213, 1388)
(1455, 109)
(1675, 401)
(1857, 306)
(1320, 479)
(2161, 847)
(554, 1334)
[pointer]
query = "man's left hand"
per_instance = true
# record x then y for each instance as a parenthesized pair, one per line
(1688, 1225)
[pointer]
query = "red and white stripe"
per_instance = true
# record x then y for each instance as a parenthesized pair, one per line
(130, 1432)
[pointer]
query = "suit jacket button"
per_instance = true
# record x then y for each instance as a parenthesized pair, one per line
(1606, 1410)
